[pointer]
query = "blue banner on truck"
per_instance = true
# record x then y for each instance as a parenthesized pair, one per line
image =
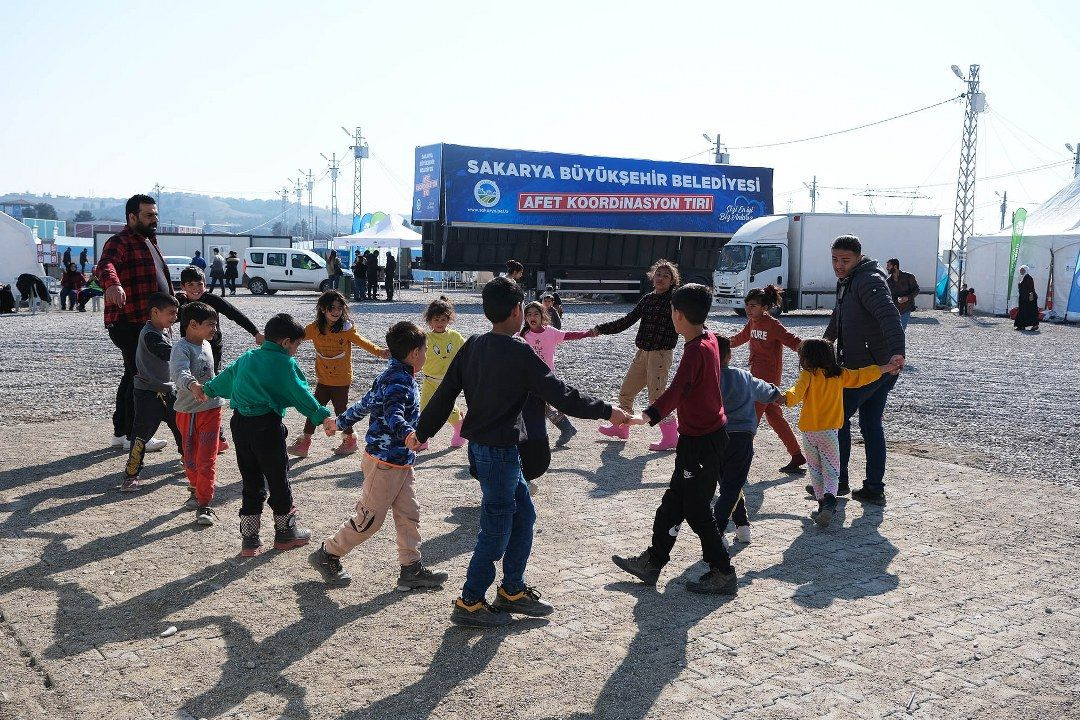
(427, 190)
(517, 188)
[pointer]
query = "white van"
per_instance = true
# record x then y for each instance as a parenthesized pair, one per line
(269, 269)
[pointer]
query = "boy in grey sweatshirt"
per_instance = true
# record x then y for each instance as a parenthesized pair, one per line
(199, 417)
(153, 388)
(741, 391)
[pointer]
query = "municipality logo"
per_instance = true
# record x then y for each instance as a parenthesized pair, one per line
(487, 193)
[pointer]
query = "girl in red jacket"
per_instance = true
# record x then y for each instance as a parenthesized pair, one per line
(767, 338)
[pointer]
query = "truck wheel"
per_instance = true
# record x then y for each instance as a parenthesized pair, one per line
(741, 312)
(257, 286)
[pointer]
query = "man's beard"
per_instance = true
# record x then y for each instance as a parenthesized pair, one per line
(147, 231)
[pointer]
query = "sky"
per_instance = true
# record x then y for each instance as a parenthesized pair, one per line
(234, 98)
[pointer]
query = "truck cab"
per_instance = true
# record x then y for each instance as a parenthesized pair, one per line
(757, 255)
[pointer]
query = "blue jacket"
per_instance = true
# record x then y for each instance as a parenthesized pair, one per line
(740, 391)
(394, 406)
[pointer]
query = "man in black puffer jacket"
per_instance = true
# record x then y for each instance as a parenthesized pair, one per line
(865, 325)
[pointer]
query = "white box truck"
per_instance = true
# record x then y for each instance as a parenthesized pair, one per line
(793, 251)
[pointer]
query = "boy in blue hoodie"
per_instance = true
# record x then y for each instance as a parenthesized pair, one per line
(393, 405)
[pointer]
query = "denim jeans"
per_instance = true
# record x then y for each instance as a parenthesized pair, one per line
(359, 288)
(507, 517)
(905, 318)
(869, 401)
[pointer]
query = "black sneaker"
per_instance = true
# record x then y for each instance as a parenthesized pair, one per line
(526, 602)
(715, 582)
(641, 567)
(478, 614)
(795, 466)
(868, 495)
(205, 516)
(330, 567)
(825, 511)
(843, 488)
(416, 576)
(566, 432)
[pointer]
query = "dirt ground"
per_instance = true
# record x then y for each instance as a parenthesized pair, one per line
(959, 599)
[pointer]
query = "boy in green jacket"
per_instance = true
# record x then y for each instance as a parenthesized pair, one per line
(260, 385)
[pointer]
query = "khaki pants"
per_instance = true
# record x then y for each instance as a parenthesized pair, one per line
(386, 487)
(648, 370)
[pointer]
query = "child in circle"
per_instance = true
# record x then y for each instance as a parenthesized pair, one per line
(443, 343)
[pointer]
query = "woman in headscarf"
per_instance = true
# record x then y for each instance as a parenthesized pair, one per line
(1027, 314)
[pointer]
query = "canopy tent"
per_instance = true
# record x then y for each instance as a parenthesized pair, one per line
(1050, 248)
(18, 251)
(386, 234)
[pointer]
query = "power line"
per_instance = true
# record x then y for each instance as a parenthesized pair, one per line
(1047, 166)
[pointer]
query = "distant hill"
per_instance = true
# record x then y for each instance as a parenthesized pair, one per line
(223, 214)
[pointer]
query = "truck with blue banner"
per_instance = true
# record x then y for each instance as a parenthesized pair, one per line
(579, 218)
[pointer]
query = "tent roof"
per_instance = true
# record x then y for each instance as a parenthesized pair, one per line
(1060, 215)
(386, 233)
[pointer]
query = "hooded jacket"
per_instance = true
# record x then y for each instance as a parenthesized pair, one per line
(865, 323)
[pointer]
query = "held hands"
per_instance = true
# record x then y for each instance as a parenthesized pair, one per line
(594, 332)
(412, 443)
(895, 365)
(329, 426)
(259, 338)
(384, 353)
(619, 417)
(115, 295)
(197, 390)
(641, 419)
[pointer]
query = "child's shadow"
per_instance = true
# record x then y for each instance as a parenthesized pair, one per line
(618, 473)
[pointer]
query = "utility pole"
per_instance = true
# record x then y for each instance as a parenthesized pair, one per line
(300, 209)
(157, 193)
(720, 153)
(812, 187)
(284, 193)
(964, 217)
(333, 192)
(310, 205)
(360, 151)
(1076, 158)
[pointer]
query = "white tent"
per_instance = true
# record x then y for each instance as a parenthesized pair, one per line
(18, 251)
(386, 234)
(1051, 243)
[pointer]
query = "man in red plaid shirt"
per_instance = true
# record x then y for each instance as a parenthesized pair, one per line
(130, 268)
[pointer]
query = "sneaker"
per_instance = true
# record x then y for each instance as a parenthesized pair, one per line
(526, 602)
(742, 534)
(301, 447)
(347, 447)
(416, 576)
(641, 567)
(795, 466)
(478, 614)
(330, 567)
(868, 495)
(130, 485)
(810, 491)
(205, 516)
(715, 582)
(825, 511)
(843, 488)
(152, 445)
(118, 441)
(192, 502)
(222, 446)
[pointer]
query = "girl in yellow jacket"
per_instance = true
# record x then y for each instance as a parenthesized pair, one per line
(820, 389)
(333, 335)
(443, 343)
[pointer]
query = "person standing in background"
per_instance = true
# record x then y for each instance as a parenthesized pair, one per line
(373, 275)
(198, 260)
(904, 288)
(391, 270)
(217, 272)
(83, 259)
(232, 271)
(359, 271)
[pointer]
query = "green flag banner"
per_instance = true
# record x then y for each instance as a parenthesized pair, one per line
(1019, 217)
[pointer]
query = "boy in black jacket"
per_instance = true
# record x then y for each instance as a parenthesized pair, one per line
(497, 371)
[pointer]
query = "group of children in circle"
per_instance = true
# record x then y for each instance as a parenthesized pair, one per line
(413, 352)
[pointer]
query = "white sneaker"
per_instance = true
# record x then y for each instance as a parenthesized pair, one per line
(118, 441)
(742, 534)
(152, 445)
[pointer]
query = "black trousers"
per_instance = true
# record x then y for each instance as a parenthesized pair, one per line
(689, 498)
(230, 282)
(125, 335)
(734, 469)
(263, 463)
(214, 282)
(389, 288)
(372, 287)
(150, 409)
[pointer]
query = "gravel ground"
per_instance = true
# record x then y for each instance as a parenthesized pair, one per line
(975, 393)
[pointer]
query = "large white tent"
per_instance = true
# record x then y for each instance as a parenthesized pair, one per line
(1050, 247)
(18, 251)
(386, 234)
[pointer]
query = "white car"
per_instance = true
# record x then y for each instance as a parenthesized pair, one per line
(176, 265)
(269, 269)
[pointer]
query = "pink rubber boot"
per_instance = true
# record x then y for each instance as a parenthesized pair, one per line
(347, 447)
(669, 436)
(620, 432)
(457, 441)
(301, 447)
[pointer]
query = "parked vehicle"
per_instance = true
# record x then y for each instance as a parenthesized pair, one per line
(269, 269)
(176, 264)
(793, 251)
